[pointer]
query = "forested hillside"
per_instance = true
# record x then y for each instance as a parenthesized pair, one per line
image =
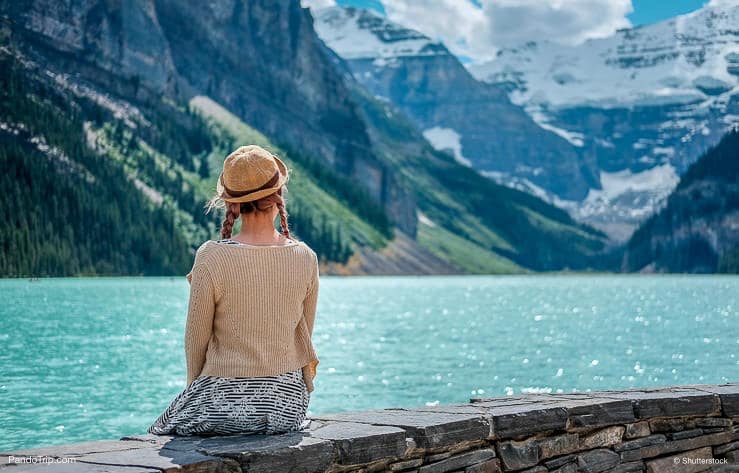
(94, 186)
(698, 230)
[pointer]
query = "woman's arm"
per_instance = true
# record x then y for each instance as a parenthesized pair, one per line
(199, 319)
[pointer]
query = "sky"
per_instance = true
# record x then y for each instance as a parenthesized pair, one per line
(652, 11)
(474, 30)
(645, 11)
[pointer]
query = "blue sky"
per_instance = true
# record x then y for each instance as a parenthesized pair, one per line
(645, 11)
(652, 11)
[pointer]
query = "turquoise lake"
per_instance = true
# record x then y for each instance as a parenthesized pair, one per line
(89, 359)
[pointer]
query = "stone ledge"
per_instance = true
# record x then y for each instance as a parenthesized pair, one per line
(632, 430)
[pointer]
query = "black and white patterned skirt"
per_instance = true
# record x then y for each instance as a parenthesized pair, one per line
(222, 406)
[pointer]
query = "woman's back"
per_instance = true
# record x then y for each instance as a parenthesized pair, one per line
(263, 302)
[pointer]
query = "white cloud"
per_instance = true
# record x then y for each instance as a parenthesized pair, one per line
(563, 21)
(317, 3)
(460, 24)
(478, 30)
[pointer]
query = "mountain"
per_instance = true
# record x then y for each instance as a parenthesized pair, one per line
(698, 230)
(147, 96)
(474, 121)
(640, 106)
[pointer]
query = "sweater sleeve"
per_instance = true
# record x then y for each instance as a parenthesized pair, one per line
(309, 315)
(311, 301)
(200, 312)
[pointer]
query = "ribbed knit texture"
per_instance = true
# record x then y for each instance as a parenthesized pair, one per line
(251, 311)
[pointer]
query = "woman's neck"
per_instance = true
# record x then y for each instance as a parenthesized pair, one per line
(258, 232)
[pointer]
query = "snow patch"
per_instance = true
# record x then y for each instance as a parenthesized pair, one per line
(446, 139)
(576, 139)
(615, 184)
(625, 199)
(356, 34)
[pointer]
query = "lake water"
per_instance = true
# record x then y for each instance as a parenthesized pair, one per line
(87, 359)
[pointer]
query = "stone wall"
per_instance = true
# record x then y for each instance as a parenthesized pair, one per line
(677, 429)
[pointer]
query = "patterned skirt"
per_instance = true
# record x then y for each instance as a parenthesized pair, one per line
(221, 406)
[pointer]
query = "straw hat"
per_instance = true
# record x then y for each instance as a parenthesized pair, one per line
(250, 173)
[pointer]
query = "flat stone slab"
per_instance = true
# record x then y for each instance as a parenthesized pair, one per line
(598, 460)
(517, 455)
(114, 456)
(668, 402)
(427, 429)
(728, 394)
(585, 412)
(79, 449)
(523, 420)
(516, 399)
(295, 451)
(361, 443)
(686, 462)
(581, 411)
(77, 467)
(462, 460)
(471, 409)
(164, 460)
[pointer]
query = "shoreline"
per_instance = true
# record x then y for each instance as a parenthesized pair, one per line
(428, 276)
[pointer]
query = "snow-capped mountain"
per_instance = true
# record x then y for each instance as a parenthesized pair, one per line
(643, 103)
(603, 129)
(359, 34)
(688, 59)
(474, 121)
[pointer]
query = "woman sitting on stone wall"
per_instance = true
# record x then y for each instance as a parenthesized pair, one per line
(250, 359)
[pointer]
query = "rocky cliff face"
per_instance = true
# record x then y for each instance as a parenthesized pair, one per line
(120, 38)
(698, 230)
(260, 58)
(640, 106)
(473, 120)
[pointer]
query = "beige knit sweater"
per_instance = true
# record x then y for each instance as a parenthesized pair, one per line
(251, 311)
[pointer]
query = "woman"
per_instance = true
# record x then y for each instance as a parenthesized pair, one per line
(250, 359)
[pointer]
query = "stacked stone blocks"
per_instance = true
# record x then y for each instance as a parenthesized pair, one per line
(672, 430)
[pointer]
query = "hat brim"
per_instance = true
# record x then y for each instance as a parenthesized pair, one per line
(256, 195)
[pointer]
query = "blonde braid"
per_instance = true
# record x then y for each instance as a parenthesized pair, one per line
(228, 223)
(283, 220)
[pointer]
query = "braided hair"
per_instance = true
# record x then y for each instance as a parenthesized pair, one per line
(233, 211)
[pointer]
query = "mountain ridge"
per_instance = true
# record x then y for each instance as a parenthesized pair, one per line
(474, 120)
(620, 161)
(652, 96)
